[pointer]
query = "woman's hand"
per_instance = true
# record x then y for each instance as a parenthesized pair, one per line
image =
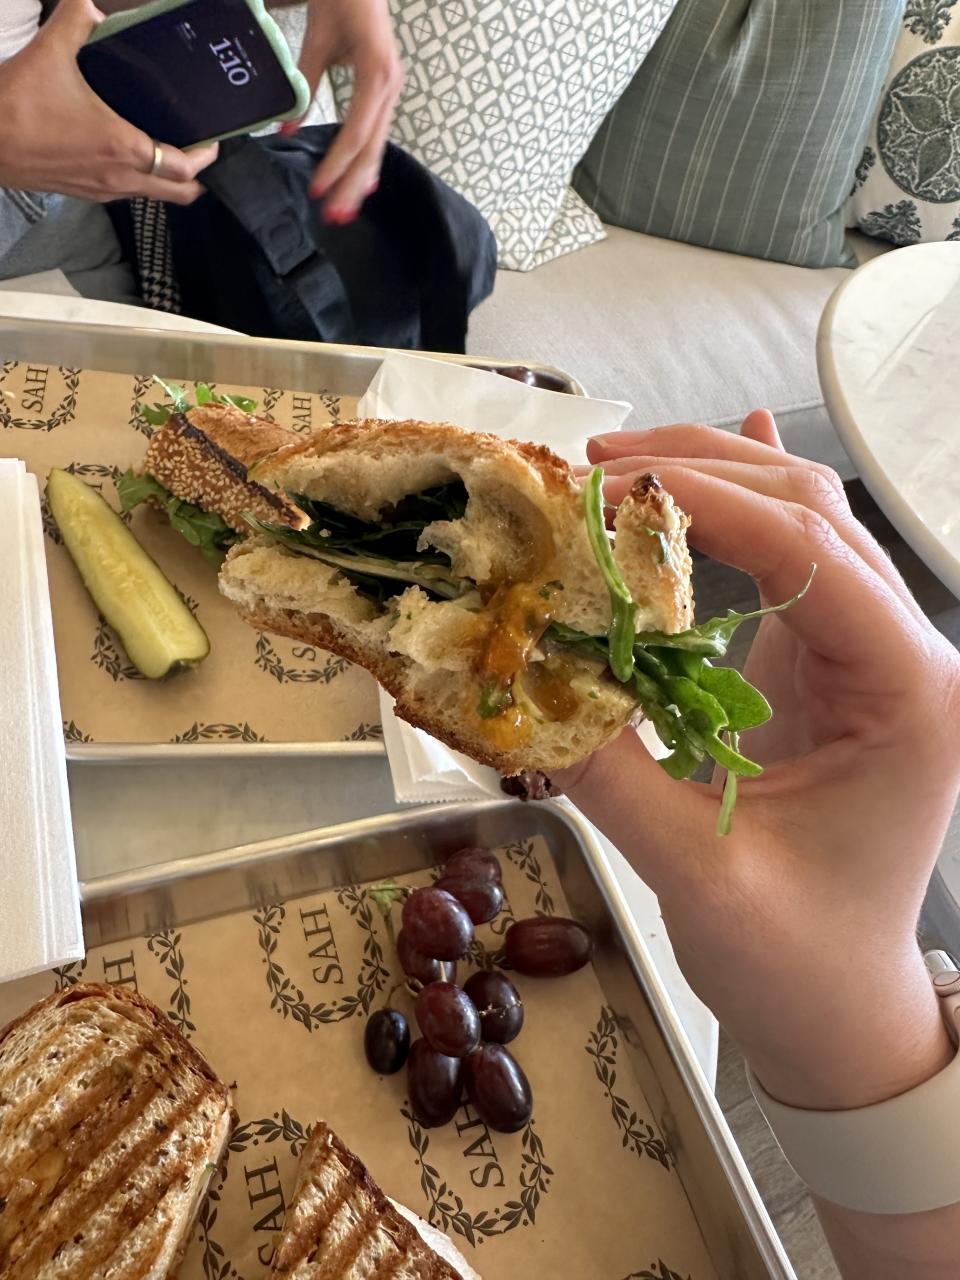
(798, 928)
(57, 135)
(356, 33)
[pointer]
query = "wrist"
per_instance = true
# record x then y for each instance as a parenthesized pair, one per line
(872, 1036)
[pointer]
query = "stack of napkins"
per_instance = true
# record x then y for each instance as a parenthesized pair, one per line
(423, 770)
(39, 894)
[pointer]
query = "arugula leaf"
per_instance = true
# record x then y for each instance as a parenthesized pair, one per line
(729, 801)
(702, 711)
(494, 698)
(179, 402)
(202, 529)
(745, 706)
(434, 576)
(712, 639)
(664, 543)
(623, 625)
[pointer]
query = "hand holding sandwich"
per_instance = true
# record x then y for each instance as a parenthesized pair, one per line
(798, 929)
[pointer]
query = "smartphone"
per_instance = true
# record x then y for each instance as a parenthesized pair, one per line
(192, 71)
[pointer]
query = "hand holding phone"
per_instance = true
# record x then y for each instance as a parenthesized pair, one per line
(58, 136)
(192, 71)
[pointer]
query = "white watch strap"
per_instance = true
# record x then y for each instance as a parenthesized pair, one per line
(899, 1156)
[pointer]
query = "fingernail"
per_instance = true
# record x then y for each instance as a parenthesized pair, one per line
(289, 127)
(374, 186)
(341, 217)
(611, 438)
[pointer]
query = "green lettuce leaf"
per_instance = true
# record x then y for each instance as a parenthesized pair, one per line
(202, 529)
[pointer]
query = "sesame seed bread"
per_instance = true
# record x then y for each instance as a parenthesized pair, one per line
(207, 456)
(110, 1126)
(340, 1225)
(523, 523)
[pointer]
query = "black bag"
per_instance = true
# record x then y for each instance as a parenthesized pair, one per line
(254, 253)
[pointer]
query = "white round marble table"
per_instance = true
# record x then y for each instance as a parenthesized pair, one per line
(889, 358)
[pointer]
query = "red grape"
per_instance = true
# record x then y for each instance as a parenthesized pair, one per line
(498, 1003)
(547, 946)
(436, 924)
(435, 1083)
(482, 899)
(478, 864)
(498, 1089)
(448, 1019)
(422, 967)
(386, 1039)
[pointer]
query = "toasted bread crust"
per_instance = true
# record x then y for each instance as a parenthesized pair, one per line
(109, 1122)
(206, 456)
(440, 436)
(308, 1246)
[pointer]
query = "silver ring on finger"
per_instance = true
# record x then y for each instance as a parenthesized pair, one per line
(157, 159)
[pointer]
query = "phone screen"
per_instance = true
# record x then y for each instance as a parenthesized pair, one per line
(198, 71)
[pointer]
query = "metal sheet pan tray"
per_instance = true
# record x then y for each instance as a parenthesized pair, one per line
(271, 955)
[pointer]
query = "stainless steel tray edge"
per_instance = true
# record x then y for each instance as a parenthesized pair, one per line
(244, 859)
(296, 366)
(142, 753)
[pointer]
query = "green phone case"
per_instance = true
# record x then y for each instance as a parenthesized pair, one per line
(131, 17)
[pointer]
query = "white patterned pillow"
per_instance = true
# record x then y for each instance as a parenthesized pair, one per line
(908, 182)
(502, 98)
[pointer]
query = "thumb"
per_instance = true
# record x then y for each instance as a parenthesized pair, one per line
(71, 23)
(664, 828)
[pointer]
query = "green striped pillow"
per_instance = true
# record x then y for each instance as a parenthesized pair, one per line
(743, 127)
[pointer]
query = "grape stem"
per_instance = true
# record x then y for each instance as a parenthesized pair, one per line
(412, 986)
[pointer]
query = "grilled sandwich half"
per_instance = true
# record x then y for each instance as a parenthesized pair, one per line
(111, 1126)
(340, 1226)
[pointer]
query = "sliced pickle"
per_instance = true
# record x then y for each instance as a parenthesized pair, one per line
(156, 628)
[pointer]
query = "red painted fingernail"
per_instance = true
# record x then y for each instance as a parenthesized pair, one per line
(341, 217)
(317, 190)
(289, 127)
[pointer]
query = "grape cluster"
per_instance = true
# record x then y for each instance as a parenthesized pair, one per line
(464, 1030)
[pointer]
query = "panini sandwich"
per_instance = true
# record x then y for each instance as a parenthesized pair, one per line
(341, 1226)
(111, 1125)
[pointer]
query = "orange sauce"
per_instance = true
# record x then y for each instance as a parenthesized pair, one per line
(519, 616)
(519, 613)
(547, 685)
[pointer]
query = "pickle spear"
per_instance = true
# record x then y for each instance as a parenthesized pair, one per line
(156, 628)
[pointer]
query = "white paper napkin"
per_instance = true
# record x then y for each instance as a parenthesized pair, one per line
(40, 922)
(406, 386)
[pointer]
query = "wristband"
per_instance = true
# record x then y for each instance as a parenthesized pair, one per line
(897, 1156)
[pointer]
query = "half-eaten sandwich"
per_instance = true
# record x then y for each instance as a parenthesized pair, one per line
(111, 1125)
(475, 578)
(340, 1224)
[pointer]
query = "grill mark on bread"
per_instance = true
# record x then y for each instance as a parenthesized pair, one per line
(377, 1244)
(94, 1132)
(83, 1103)
(134, 1163)
(78, 1208)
